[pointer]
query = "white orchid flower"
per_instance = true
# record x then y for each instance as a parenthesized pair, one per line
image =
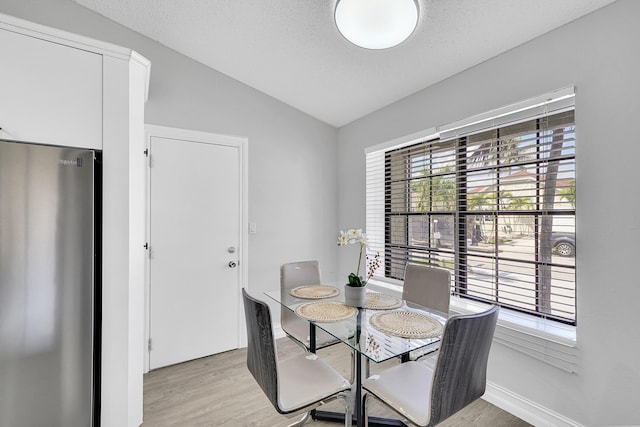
(342, 239)
(352, 236)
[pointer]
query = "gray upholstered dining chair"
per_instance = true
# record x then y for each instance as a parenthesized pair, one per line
(429, 287)
(297, 384)
(426, 396)
(295, 274)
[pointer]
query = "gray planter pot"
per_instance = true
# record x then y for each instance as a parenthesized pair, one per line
(354, 296)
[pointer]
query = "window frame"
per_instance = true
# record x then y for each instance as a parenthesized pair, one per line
(546, 328)
(419, 169)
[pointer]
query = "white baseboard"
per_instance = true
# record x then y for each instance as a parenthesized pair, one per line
(525, 409)
(278, 332)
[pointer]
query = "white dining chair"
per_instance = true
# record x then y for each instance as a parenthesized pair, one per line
(429, 287)
(295, 274)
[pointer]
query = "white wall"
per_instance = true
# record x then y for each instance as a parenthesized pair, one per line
(599, 54)
(292, 157)
(292, 172)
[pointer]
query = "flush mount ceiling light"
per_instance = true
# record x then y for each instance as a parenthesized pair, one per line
(376, 24)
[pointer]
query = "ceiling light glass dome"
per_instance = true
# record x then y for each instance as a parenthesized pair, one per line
(376, 24)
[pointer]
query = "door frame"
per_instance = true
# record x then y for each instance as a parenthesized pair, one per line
(242, 144)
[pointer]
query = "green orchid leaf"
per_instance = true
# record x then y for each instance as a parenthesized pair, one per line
(356, 281)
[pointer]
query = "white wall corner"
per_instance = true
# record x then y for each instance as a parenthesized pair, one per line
(145, 66)
(525, 409)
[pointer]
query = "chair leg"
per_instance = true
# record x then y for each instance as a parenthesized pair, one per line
(302, 346)
(301, 421)
(348, 408)
(352, 377)
(364, 409)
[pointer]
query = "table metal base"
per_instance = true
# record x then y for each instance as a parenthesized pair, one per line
(338, 417)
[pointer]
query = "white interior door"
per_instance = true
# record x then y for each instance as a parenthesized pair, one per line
(194, 235)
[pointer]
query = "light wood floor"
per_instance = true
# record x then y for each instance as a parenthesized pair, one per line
(219, 391)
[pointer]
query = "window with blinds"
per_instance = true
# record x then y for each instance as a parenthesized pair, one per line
(490, 199)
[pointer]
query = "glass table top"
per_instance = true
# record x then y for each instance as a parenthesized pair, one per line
(357, 332)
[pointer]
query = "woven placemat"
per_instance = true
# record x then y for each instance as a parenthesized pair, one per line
(406, 324)
(325, 311)
(314, 291)
(378, 301)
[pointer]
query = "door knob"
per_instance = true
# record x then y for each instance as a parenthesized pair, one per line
(232, 264)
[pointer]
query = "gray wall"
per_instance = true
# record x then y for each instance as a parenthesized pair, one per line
(599, 54)
(292, 156)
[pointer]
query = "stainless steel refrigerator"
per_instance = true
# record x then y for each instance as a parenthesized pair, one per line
(49, 262)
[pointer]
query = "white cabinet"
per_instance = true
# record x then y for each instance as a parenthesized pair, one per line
(49, 93)
(64, 89)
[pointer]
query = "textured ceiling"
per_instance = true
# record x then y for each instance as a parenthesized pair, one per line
(291, 49)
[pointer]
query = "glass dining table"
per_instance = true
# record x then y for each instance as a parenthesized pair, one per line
(385, 328)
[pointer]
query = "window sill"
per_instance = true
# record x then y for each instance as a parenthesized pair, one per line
(531, 325)
(544, 339)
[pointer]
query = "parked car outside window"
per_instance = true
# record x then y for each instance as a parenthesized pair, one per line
(564, 244)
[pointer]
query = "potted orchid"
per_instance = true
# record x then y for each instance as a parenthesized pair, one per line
(355, 289)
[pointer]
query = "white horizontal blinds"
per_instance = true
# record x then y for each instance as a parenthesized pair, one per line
(492, 199)
(516, 216)
(375, 181)
(419, 206)
(543, 105)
